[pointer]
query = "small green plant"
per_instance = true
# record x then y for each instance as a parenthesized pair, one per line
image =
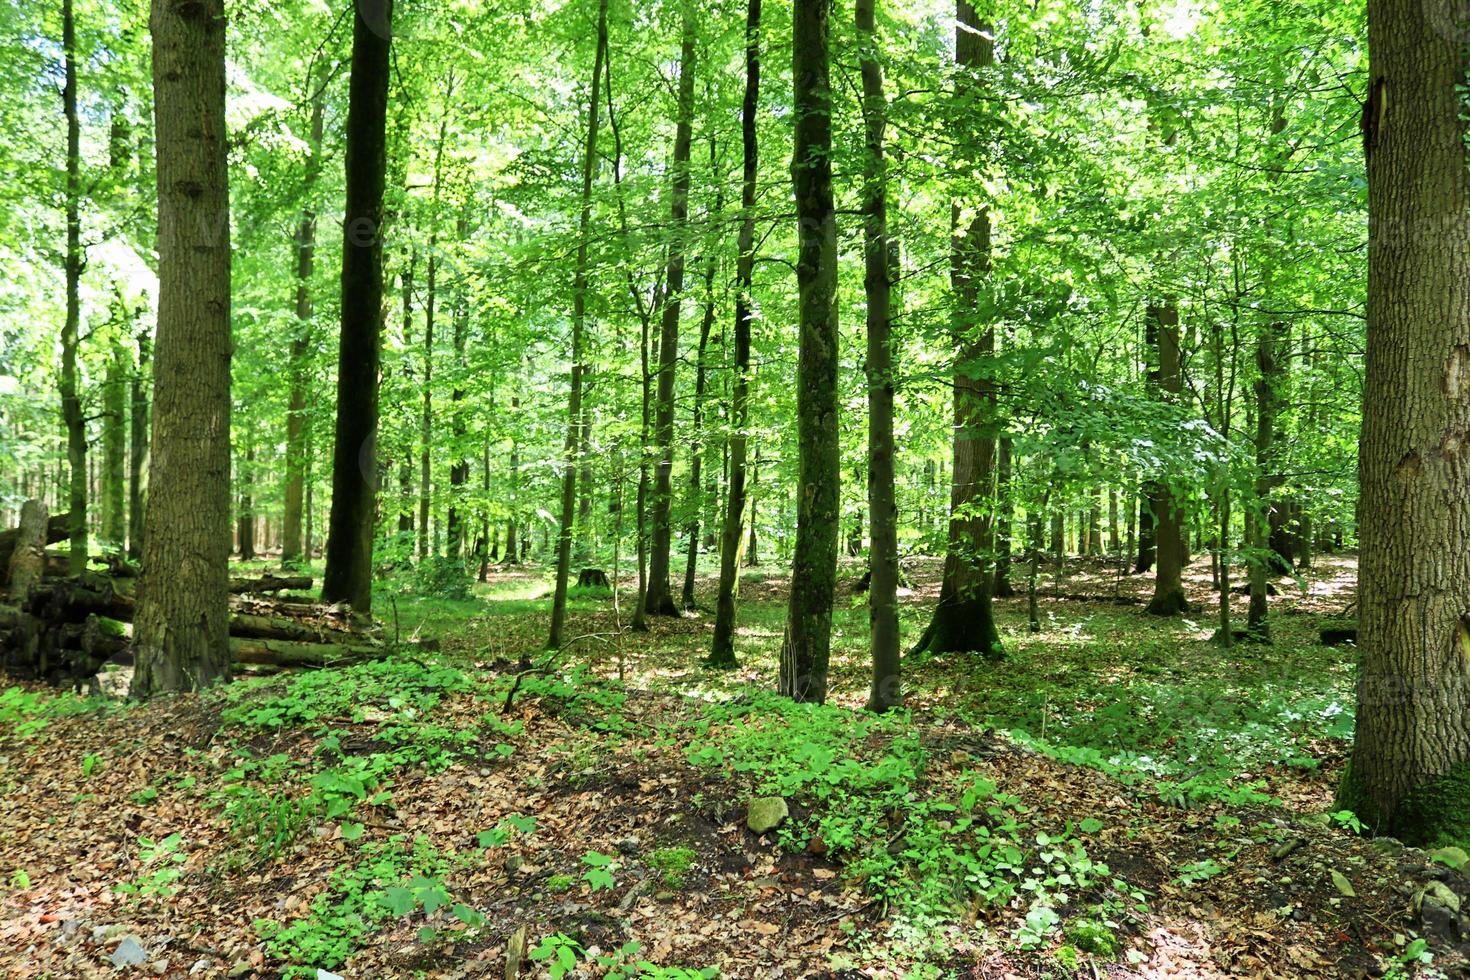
(19, 880)
(673, 863)
(1094, 936)
(1198, 871)
(160, 861)
(599, 870)
(560, 883)
(90, 762)
(1347, 820)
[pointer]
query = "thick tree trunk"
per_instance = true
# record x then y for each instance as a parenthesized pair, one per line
(964, 619)
(349, 572)
(183, 610)
(579, 320)
(71, 402)
(722, 647)
(807, 646)
(28, 559)
(1168, 599)
(1410, 770)
(302, 343)
(659, 600)
(886, 690)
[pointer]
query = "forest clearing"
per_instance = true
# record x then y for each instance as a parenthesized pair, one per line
(704, 488)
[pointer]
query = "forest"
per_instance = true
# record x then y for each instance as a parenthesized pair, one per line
(706, 488)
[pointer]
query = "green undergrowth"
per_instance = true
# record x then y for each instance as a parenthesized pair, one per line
(25, 713)
(1163, 712)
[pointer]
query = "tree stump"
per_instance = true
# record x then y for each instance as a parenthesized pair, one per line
(28, 560)
(593, 578)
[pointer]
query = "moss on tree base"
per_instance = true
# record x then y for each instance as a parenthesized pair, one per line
(1433, 814)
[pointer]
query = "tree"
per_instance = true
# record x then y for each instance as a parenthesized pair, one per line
(579, 323)
(349, 571)
(722, 646)
(964, 619)
(1409, 775)
(1168, 598)
(807, 646)
(659, 600)
(180, 630)
(302, 343)
(71, 400)
(883, 635)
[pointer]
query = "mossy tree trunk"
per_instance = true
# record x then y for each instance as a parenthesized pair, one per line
(1410, 770)
(807, 645)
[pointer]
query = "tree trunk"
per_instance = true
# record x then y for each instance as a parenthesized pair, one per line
(115, 450)
(459, 470)
(1005, 504)
(722, 647)
(28, 559)
(964, 619)
(807, 645)
(302, 343)
(696, 446)
(245, 525)
(886, 690)
(512, 546)
(138, 457)
(349, 572)
(1410, 770)
(1268, 370)
(181, 628)
(71, 402)
(659, 600)
(579, 321)
(1168, 599)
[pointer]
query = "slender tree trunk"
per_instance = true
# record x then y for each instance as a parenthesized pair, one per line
(722, 647)
(752, 559)
(807, 646)
(1005, 506)
(512, 545)
(459, 470)
(349, 573)
(245, 516)
(1267, 378)
(696, 446)
(964, 619)
(1410, 770)
(303, 343)
(180, 631)
(1168, 598)
(883, 631)
(71, 402)
(115, 450)
(659, 600)
(579, 320)
(137, 460)
(426, 409)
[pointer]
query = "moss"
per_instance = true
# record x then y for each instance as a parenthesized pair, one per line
(674, 863)
(1433, 814)
(1437, 813)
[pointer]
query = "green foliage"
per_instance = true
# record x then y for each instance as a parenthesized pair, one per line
(393, 880)
(562, 955)
(160, 871)
(28, 712)
(441, 578)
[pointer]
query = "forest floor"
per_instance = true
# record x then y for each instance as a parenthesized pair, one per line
(1120, 797)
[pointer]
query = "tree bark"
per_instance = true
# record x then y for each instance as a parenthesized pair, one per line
(302, 342)
(28, 559)
(722, 647)
(806, 650)
(459, 470)
(182, 618)
(245, 522)
(579, 321)
(964, 619)
(885, 691)
(71, 402)
(1409, 775)
(349, 571)
(696, 445)
(115, 450)
(1168, 598)
(659, 600)
(138, 446)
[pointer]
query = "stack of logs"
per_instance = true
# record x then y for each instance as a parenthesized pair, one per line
(64, 628)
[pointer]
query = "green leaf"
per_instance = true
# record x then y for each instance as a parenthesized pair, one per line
(352, 831)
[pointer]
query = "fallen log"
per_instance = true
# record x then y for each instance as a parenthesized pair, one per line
(282, 653)
(270, 583)
(248, 626)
